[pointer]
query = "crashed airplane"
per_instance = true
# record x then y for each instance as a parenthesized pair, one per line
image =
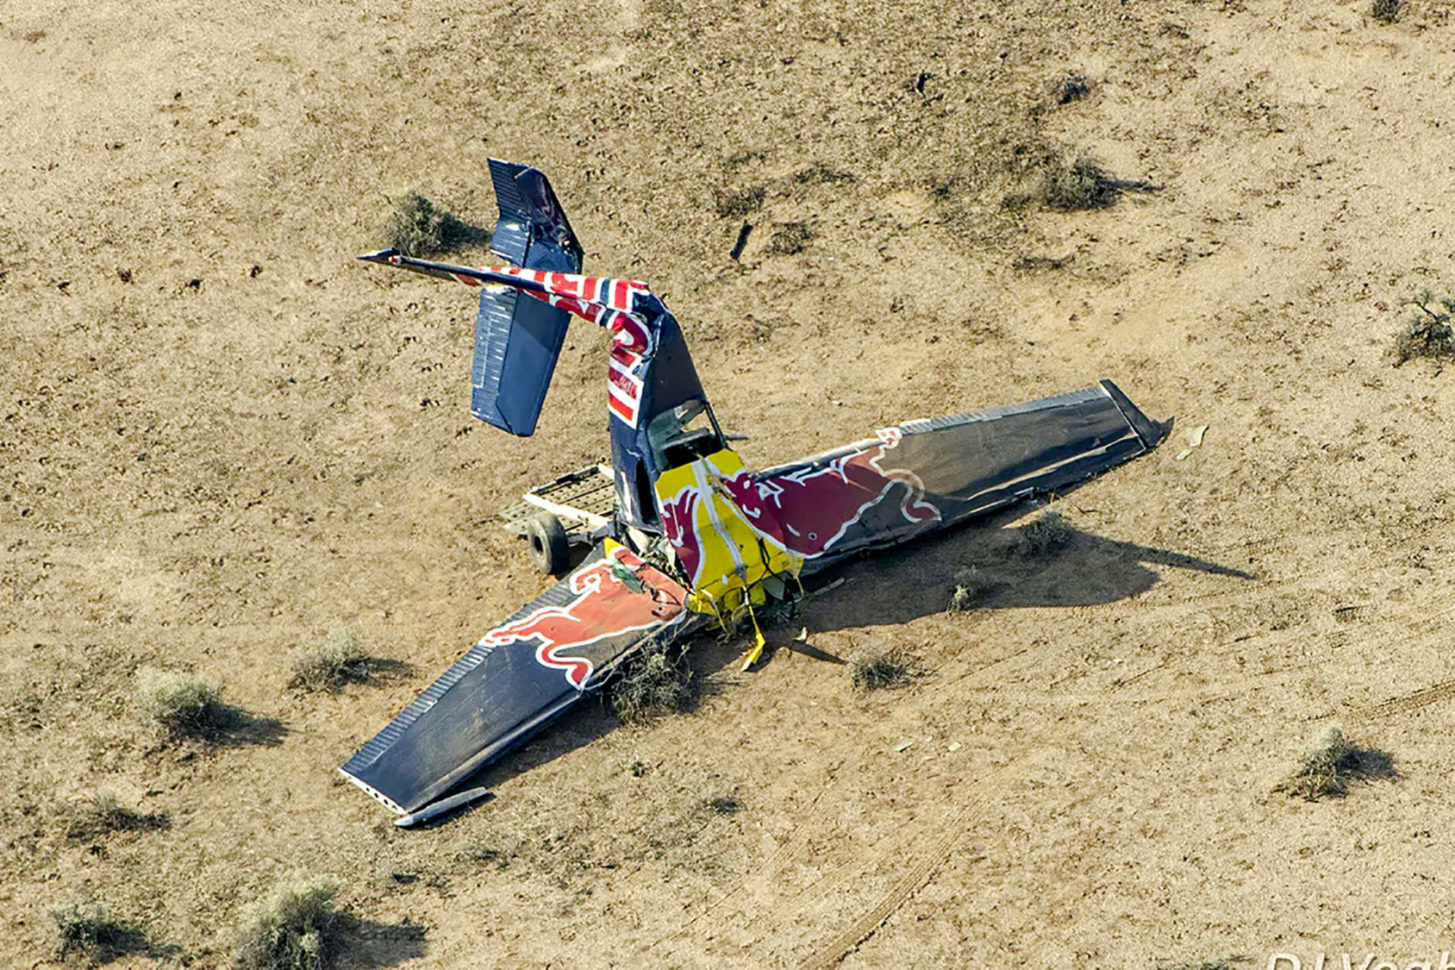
(680, 533)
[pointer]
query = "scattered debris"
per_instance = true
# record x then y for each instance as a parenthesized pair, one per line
(1194, 441)
(903, 746)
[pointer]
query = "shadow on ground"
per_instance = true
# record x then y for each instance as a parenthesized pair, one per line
(365, 943)
(241, 728)
(918, 580)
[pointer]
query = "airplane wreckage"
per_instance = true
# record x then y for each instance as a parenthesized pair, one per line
(681, 534)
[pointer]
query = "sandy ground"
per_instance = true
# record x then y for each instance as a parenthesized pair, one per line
(222, 438)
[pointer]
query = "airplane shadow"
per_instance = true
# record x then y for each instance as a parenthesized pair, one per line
(1000, 572)
(893, 587)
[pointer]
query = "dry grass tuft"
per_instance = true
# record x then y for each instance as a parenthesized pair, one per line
(179, 704)
(652, 685)
(1043, 537)
(820, 174)
(971, 586)
(296, 928)
(879, 669)
(1430, 331)
(417, 227)
(1073, 87)
(1332, 763)
(330, 664)
(1072, 181)
(789, 238)
(721, 804)
(737, 203)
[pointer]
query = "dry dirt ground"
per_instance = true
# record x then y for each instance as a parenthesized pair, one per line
(222, 438)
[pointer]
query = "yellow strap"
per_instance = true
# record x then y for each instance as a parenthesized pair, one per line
(758, 642)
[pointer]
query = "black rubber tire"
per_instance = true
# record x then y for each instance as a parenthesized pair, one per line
(546, 538)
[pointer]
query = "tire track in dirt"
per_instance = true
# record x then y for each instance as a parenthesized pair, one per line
(936, 849)
(1395, 706)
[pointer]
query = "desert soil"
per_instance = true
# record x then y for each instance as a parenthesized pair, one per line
(223, 438)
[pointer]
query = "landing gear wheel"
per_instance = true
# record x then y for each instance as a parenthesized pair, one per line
(548, 547)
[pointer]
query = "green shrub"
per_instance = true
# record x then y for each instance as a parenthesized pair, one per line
(971, 585)
(331, 663)
(417, 227)
(1386, 11)
(180, 704)
(295, 928)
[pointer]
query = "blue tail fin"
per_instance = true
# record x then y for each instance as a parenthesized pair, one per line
(515, 334)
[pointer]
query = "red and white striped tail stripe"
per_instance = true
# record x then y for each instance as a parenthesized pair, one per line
(608, 303)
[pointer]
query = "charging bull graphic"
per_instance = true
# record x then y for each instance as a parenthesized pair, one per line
(606, 605)
(689, 534)
(681, 530)
(808, 510)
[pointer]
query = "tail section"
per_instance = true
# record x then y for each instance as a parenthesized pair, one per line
(516, 334)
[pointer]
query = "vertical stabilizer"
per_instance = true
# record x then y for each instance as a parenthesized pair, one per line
(515, 334)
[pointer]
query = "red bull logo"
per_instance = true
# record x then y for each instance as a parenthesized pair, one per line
(808, 510)
(603, 607)
(681, 531)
